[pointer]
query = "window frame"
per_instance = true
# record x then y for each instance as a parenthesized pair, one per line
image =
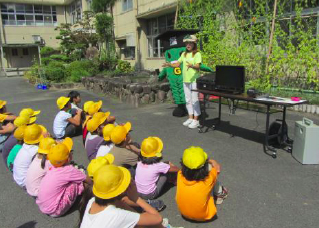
(25, 51)
(29, 11)
(125, 5)
(14, 52)
(154, 48)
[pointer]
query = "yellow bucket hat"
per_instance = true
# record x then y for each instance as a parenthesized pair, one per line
(45, 145)
(110, 181)
(107, 130)
(3, 117)
(34, 133)
(120, 132)
(98, 162)
(29, 112)
(97, 119)
(19, 132)
(87, 105)
(194, 157)
(62, 101)
(59, 153)
(2, 103)
(190, 38)
(24, 120)
(94, 108)
(152, 147)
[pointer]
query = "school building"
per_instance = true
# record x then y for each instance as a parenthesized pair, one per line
(137, 23)
(28, 25)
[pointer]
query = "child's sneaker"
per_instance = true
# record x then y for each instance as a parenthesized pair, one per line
(194, 124)
(166, 224)
(221, 196)
(157, 204)
(187, 122)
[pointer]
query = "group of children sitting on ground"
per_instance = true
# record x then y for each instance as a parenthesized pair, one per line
(120, 186)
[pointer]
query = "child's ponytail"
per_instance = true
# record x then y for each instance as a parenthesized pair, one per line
(44, 159)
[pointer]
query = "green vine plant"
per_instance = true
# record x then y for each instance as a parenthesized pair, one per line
(237, 32)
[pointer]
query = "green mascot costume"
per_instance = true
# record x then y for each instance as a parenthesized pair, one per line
(174, 47)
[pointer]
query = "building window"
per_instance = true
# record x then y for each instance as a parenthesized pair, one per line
(75, 10)
(14, 52)
(28, 15)
(25, 51)
(155, 26)
(127, 5)
(129, 52)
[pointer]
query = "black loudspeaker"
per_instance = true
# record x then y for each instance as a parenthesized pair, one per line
(230, 79)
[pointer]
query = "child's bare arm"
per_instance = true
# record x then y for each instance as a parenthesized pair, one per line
(8, 128)
(76, 120)
(133, 148)
(10, 117)
(173, 168)
(150, 216)
(214, 164)
(88, 180)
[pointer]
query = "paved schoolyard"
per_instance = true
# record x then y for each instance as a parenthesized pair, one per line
(264, 192)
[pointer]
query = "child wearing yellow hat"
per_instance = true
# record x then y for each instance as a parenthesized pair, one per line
(64, 124)
(107, 145)
(87, 117)
(4, 114)
(18, 135)
(33, 134)
(151, 174)
(111, 183)
(11, 140)
(125, 150)
(95, 139)
(196, 183)
(39, 167)
(6, 125)
(63, 183)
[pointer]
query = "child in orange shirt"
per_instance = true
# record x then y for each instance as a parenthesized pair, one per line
(196, 183)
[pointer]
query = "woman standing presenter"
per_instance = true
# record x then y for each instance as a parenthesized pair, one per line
(191, 60)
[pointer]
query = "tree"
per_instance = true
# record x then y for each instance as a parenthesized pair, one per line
(74, 42)
(104, 23)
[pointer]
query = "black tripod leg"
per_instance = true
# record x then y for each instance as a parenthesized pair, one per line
(203, 115)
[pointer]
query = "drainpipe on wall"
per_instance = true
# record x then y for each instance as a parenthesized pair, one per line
(39, 51)
(138, 49)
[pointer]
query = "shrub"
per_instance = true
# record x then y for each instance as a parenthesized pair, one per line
(47, 51)
(124, 66)
(30, 77)
(62, 58)
(46, 60)
(55, 71)
(108, 63)
(78, 69)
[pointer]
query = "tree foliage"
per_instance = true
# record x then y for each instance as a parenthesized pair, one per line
(233, 32)
(75, 41)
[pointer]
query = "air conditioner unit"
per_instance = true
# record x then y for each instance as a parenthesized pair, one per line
(37, 39)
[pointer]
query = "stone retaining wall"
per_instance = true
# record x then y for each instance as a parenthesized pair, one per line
(145, 93)
(133, 93)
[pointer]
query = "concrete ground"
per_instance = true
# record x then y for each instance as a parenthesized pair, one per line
(263, 192)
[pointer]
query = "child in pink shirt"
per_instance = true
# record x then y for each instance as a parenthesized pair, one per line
(62, 184)
(151, 173)
(39, 167)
